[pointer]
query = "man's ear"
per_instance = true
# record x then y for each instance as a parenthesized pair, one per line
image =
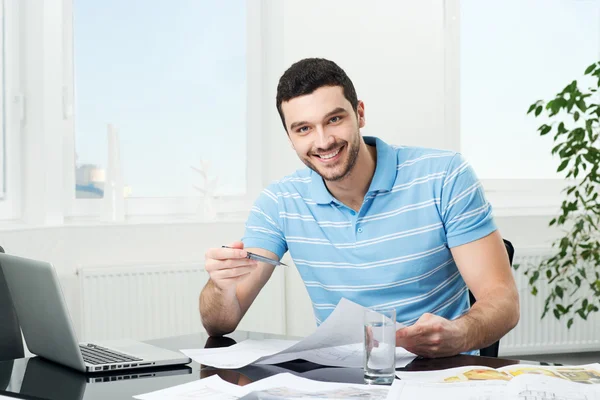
(360, 112)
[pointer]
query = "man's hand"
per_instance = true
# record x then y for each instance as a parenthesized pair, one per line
(227, 267)
(233, 285)
(432, 336)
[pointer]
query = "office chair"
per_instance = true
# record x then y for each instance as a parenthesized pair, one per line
(492, 350)
(11, 343)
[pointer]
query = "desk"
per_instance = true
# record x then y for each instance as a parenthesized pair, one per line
(35, 378)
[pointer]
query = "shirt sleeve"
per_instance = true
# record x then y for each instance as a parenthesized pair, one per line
(466, 214)
(263, 229)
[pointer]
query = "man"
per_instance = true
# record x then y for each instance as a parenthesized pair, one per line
(383, 226)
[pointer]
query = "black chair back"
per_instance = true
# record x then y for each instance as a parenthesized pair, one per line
(11, 342)
(492, 350)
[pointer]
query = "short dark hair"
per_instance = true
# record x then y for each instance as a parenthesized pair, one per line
(310, 74)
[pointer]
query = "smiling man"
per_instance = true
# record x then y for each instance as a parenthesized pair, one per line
(384, 226)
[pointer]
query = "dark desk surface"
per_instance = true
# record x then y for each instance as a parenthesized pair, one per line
(36, 378)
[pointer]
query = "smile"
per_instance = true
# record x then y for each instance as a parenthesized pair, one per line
(329, 157)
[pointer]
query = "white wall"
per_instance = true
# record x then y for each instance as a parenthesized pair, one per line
(394, 53)
(392, 50)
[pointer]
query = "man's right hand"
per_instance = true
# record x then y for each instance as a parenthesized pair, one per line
(228, 267)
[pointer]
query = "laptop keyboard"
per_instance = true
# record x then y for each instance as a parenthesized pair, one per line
(95, 354)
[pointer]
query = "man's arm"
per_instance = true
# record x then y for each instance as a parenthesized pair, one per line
(485, 268)
(225, 300)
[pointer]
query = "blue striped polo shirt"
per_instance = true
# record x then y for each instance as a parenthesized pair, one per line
(394, 252)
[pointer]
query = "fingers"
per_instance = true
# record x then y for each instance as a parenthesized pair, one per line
(223, 253)
(237, 245)
(216, 265)
(232, 272)
(410, 332)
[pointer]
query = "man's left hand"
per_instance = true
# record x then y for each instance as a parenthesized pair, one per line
(432, 336)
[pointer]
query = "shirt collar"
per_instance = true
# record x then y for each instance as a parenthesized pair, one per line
(383, 180)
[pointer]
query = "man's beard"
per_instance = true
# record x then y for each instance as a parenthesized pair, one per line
(352, 149)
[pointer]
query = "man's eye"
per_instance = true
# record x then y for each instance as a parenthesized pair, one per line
(303, 129)
(335, 119)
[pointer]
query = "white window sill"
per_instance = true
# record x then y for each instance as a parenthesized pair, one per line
(91, 222)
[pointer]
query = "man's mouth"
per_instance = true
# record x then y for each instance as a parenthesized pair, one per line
(330, 156)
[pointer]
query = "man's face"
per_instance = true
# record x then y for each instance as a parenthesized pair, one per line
(324, 131)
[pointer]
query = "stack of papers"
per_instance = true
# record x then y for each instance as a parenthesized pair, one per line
(288, 386)
(589, 373)
(337, 342)
(515, 382)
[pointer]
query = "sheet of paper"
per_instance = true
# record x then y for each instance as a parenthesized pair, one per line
(451, 374)
(544, 387)
(282, 386)
(485, 390)
(341, 328)
(240, 354)
(288, 386)
(211, 388)
(589, 373)
(350, 355)
(522, 387)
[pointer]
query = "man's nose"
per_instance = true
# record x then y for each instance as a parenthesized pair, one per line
(323, 140)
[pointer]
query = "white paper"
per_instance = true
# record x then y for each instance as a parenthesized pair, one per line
(478, 372)
(513, 382)
(280, 385)
(211, 388)
(289, 386)
(350, 355)
(337, 342)
(484, 390)
(240, 354)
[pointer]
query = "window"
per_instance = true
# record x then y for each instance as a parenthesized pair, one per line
(170, 78)
(2, 103)
(11, 111)
(513, 53)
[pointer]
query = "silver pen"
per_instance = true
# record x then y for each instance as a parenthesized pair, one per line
(256, 257)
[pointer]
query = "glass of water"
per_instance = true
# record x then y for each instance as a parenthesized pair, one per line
(379, 353)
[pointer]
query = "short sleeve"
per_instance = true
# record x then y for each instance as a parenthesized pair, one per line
(262, 227)
(466, 214)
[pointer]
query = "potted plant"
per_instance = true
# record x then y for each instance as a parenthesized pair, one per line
(573, 269)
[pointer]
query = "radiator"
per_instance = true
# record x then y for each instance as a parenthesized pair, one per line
(140, 302)
(535, 336)
(149, 302)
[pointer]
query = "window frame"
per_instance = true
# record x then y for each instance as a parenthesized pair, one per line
(184, 206)
(508, 197)
(12, 117)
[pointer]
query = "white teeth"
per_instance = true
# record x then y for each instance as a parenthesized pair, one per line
(330, 155)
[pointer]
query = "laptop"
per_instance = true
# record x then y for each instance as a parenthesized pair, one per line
(48, 330)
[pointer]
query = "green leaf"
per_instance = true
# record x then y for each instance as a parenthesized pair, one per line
(569, 323)
(563, 165)
(538, 110)
(559, 291)
(534, 292)
(581, 105)
(534, 278)
(556, 314)
(544, 129)
(576, 115)
(589, 69)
